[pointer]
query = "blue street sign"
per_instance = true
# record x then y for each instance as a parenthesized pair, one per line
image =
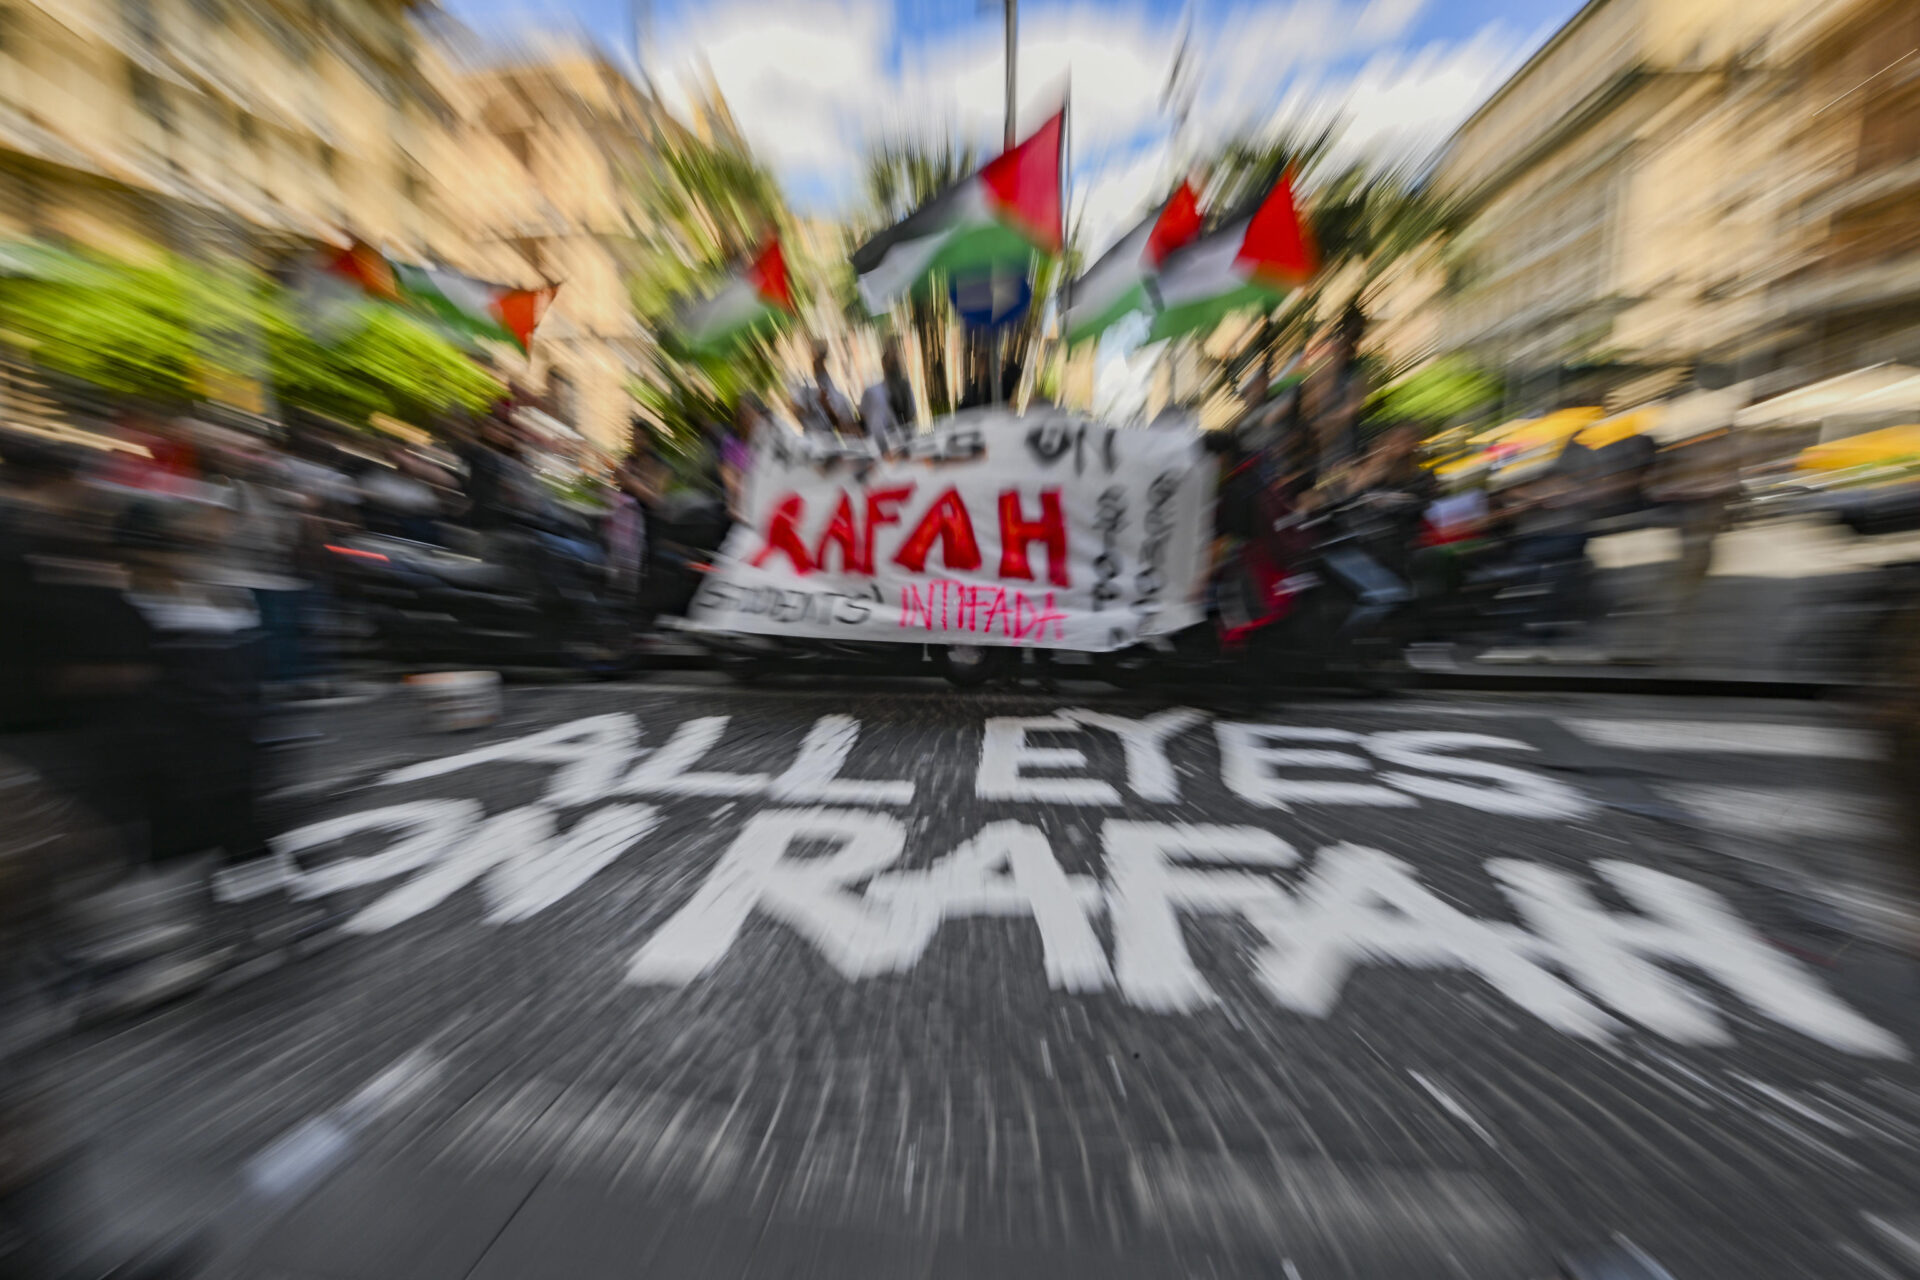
(990, 300)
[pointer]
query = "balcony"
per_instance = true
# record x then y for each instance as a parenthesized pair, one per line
(1819, 292)
(1872, 187)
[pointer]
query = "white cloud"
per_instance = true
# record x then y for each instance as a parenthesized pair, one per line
(1111, 199)
(793, 74)
(1122, 373)
(1114, 64)
(1406, 102)
(1386, 19)
(811, 85)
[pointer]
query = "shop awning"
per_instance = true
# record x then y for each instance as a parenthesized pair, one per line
(1822, 400)
(1901, 399)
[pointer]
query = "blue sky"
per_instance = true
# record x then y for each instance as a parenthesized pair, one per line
(812, 80)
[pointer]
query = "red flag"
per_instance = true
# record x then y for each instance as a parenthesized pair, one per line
(1025, 184)
(1278, 248)
(519, 311)
(363, 264)
(1179, 222)
(768, 276)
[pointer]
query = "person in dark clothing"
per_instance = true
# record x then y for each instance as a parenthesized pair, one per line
(1337, 394)
(1546, 522)
(202, 711)
(887, 410)
(491, 460)
(39, 480)
(977, 390)
(1010, 374)
(1391, 470)
(1621, 473)
(77, 656)
(626, 533)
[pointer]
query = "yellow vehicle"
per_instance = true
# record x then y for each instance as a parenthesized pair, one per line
(1888, 448)
(1515, 450)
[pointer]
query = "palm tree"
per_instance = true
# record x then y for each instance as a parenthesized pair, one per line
(705, 206)
(903, 174)
(1365, 218)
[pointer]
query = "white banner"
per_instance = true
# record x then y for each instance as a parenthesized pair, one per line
(1050, 530)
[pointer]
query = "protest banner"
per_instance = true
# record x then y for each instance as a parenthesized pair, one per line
(1051, 530)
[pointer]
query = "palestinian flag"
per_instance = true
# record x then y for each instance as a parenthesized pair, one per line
(1000, 217)
(752, 298)
(474, 308)
(1250, 263)
(1118, 283)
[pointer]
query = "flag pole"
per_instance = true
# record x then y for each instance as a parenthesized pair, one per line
(1013, 19)
(997, 339)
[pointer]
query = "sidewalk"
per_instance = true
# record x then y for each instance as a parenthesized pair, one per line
(1770, 617)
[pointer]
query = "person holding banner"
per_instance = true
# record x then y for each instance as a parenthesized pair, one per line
(736, 452)
(823, 411)
(886, 409)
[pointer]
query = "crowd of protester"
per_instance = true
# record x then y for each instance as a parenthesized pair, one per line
(170, 584)
(1504, 565)
(167, 600)
(166, 587)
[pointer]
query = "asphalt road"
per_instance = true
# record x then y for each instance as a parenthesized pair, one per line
(683, 979)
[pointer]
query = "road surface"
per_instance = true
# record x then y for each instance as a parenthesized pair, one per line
(684, 979)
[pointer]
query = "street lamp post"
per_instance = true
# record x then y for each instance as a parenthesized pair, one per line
(1013, 18)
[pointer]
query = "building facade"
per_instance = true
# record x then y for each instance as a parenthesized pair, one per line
(551, 154)
(263, 125)
(547, 156)
(1674, 195)
(270, 128)
(1844, 289)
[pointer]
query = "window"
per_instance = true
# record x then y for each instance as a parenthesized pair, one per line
(562, 399)
(141, 23)
(291, 42)
(147, 95)
(387, 85)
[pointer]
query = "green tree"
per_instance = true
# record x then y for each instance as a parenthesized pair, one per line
(141, 330)
(385, 361)
(706, 206)
(1365, 218)
(901, 175)
(1440, 392)
(159, 329)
